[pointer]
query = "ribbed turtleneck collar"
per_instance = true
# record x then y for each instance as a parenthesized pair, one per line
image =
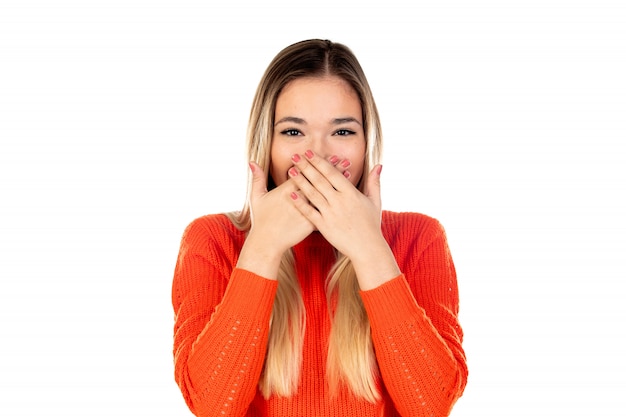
(314, 248)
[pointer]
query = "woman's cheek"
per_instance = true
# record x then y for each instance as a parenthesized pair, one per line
(279, 171)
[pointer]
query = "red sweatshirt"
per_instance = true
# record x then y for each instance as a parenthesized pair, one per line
(222, 325)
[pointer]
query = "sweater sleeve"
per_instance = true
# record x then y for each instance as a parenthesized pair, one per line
(418, 340)
(221, 324)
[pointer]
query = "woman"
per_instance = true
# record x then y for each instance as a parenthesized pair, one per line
(312, 301)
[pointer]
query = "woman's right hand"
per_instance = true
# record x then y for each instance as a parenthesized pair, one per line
(276, 225)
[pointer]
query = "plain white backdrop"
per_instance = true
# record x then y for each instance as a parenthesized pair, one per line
(122, 121)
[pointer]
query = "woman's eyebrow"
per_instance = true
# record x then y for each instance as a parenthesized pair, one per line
(300, 121)
(291, 119)
(342, 120)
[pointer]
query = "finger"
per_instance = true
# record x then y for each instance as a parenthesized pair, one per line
(307, 190)
(334, 160)
(259, 180)
(290, 185)
(306, 209)
(311, 174)
(321, 173)
(372, 187)
(341, 164)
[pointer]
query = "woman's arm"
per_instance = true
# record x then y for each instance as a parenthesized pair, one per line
(222, 321)
(415, 328)
(223, 296)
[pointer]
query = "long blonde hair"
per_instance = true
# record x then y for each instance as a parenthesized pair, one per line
(351, 360)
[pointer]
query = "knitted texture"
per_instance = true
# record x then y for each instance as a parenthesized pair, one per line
(222, 325)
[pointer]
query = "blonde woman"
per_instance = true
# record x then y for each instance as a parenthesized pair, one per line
(312, 301)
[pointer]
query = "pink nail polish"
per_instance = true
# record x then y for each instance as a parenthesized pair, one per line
(334, 159)
(309, 154)
(295, 158)
(345, 164)
(293, 172)
(294, 196)
(346, 174)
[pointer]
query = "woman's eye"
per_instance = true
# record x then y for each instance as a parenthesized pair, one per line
(291, 132)
(344, 132)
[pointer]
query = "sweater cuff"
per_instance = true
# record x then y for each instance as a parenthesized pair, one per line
(251, 293)
(390, 303)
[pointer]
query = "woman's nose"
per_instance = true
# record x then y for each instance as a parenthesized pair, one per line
(321, 148)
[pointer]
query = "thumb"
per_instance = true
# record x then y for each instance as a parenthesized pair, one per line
(372, 188)
(259, 182)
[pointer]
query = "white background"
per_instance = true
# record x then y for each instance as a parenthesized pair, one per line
(122, 121)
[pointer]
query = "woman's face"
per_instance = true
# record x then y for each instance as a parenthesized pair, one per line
(320, 114)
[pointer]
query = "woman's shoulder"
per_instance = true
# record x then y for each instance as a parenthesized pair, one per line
(408, 220)
(409, 234)
(410, 227)
(213, 226)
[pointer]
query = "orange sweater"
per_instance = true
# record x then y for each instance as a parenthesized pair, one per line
(222, 324)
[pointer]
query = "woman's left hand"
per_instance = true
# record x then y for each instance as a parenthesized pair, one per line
(347, 218)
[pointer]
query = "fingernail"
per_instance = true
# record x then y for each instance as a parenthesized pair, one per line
(334, 159)
(309, 154)
(345, 164)
(293, 172)
(251, 165)
(295, 158)
(380, 169)
(294, 196)
(346, 174)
